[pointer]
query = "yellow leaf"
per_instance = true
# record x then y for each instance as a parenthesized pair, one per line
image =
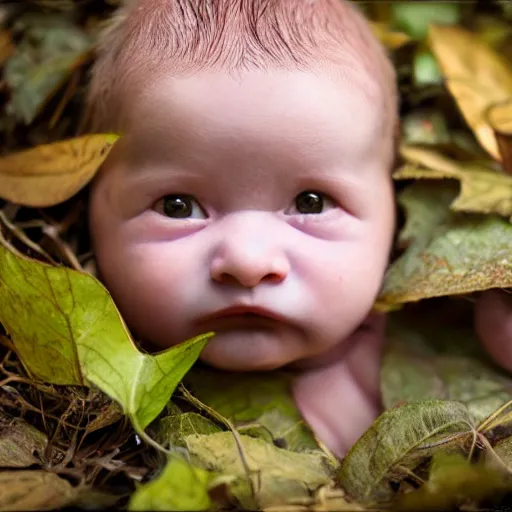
(52, 173)
(389, 38)
(476, 76)
(500, 118)
(483, 190)
(6, 47)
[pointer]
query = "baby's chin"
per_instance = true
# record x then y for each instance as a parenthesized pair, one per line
(243, 350)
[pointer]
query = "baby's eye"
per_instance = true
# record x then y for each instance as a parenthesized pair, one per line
(310, 202)
(180, 207)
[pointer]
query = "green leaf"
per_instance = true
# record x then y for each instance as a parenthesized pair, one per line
(414, 17)
(180, 486)
(256, 399)
(426, 357)
(452, 253)
(172, 430)
(454, 482)
(67, 330)
(426, 70)
(393, 438)
(51, 48)
(281, 475)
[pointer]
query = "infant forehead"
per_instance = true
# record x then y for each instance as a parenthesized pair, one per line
(314, 108)
(156, 38)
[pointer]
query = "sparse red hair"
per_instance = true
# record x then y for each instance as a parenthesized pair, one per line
(150, 37)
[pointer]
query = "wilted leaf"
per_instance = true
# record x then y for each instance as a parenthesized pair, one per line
(414, 18)
(282, 475)
(107, 416)
(426, 358)
(34, 490)
(483, 190)
(180, 486)
(21, 444)
(254, 399)
(385, 446)
(455, 253)
(67, 330)
(52, 47)
(6, 47)
(49, 174)
(477, 77)
(453, 482)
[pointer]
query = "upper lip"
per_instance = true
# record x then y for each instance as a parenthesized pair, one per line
(242, 310)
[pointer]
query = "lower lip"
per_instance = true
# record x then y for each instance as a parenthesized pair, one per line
(244, 321)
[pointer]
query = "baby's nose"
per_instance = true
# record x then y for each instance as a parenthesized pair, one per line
(248, 255)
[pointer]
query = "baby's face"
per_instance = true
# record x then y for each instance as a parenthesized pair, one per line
(259, 207)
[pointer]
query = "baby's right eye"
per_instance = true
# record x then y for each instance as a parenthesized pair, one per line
(180, 206)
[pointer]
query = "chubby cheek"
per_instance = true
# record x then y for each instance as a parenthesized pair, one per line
(149, 284)
(344, 280)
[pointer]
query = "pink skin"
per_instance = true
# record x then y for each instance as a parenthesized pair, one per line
(244, 148)
(493, 324)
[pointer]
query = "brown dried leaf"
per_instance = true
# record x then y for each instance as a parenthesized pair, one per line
(34, 490)
(477, 77)
(6, 47)
(52, 173)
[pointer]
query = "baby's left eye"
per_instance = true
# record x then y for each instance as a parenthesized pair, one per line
(180, 206)
(311, 202)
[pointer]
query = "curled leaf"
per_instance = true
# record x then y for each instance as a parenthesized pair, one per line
(52, 173)
(379, 454)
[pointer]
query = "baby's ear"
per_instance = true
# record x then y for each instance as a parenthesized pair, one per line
(493, 325)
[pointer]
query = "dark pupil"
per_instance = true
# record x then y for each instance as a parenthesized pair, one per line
(178, 206)
(309, 202)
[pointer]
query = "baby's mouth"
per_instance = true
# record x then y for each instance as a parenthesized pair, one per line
(241, 317)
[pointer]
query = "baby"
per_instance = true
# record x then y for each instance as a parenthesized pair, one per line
(251, 192)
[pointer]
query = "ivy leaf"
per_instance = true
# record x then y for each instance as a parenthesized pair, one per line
(52, 173)
(67, 330)
(483, 189)
(382, 453)
(476, 76)
(180, 486)
(455, 253)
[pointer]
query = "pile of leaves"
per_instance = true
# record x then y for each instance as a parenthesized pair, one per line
(89, 420)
